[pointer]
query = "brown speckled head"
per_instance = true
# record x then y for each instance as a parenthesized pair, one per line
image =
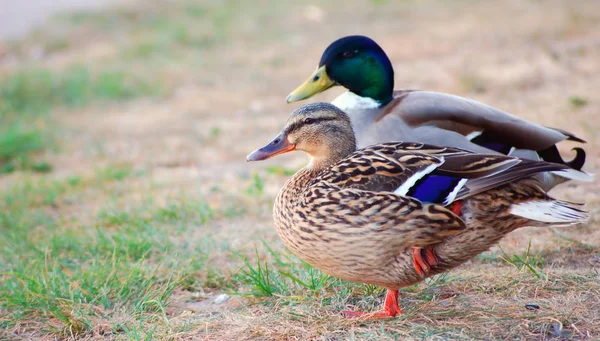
(320, 129)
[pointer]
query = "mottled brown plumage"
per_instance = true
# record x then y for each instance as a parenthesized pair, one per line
(349, 212)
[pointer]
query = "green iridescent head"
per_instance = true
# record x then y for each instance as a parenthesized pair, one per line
(356, 63)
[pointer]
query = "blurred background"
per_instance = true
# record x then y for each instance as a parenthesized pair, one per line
(127, 209)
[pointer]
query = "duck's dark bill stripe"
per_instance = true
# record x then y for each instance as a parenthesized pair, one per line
(301, 123)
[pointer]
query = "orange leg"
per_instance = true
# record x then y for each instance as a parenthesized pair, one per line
(430, 256)
(424, 259)
(390, 308)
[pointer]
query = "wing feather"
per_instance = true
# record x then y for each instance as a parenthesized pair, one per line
(422, 171)
(466, 116)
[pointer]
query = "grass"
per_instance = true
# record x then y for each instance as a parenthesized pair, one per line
(118, 222)
(578, 101)
(35, 91)
(280, 170)
(264, 281)
(16, 144)
(69, 276)
(529, 262)
(257, 186)
(282, 275)
(28, 96)
(75, 295)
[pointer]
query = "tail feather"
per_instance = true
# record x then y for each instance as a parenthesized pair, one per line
(574, 174)
(554, 212)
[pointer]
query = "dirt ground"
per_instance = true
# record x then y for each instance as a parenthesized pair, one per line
(220, 100)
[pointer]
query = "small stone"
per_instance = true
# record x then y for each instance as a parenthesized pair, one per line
(532, 306)
(558, 329)
(221, 298)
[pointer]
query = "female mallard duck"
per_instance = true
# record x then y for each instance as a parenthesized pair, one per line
(380, 114)
(391, 214)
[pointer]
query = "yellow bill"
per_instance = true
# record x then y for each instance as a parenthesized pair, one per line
(318, 82)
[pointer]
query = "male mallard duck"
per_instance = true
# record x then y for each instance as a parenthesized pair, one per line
(392, 213)
(380, 114)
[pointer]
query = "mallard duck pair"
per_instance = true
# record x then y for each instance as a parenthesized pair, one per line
(393, 213)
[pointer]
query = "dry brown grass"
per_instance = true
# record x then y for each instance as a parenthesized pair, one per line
(224, 84)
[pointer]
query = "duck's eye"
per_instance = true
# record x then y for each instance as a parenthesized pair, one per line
(349, 54)
(309, 120)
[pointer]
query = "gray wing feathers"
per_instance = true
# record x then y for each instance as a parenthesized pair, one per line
(463, 115)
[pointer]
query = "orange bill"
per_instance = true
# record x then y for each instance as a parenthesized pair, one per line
(279, 145)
